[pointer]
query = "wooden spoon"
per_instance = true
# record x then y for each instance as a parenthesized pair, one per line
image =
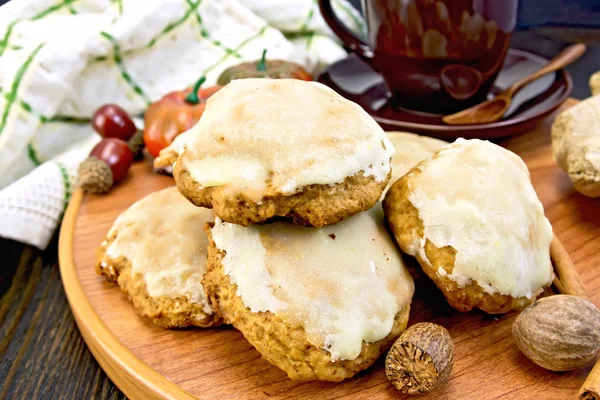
(493, 110)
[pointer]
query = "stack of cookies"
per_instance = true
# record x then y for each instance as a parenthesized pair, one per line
(297, 256)
(276, 227)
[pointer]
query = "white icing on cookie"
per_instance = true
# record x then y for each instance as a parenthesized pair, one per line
(162, 236)
(477, 197)
(411, 149)
(343, 283)
(275, 136)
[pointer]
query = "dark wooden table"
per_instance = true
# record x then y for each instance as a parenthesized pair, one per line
(42, 354)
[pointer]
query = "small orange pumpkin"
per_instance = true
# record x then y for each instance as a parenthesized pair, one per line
(173, 114)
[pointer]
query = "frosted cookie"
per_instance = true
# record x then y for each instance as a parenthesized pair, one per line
(471, 217)
(267, 148)
(165, 160)
(319, 303)
(411, 149)
(156, 252)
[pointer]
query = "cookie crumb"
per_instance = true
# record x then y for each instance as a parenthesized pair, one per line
(332, 235)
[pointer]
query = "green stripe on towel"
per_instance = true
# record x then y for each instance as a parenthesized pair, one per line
(309, 40)
(27, 107)
(67, 186)
(99, 58)
(193, 8)
(175, 24)
(237, 49)
(32, 154)
(4, 43)
(52, 9)
(119, 61)
(310, 16)
(204, 33)
(69, 120)
(120, 7)
(12, 95)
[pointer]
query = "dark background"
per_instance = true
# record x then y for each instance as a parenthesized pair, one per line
(42, 354)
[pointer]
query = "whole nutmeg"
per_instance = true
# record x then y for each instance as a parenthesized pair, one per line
(421, 358)
(559, 333)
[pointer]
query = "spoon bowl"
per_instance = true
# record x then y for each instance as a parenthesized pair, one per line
(461, 82)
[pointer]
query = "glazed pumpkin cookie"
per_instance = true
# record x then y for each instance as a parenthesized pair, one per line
(156, 252)
(473, 220)
(267, 148)
(411, 149)
(168, 156)
(319, 303)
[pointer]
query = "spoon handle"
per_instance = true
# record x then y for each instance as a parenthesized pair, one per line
(561, 60)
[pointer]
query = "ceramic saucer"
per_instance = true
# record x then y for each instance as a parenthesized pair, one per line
(355, 80)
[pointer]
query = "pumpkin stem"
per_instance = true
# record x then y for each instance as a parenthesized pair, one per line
(262, 64)
(192, 98)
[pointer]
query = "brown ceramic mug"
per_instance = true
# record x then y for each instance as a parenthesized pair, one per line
(436, 56)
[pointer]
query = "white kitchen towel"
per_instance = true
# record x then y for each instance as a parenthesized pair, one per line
(62, 59)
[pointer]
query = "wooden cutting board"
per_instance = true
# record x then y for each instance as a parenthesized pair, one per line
(147, 362)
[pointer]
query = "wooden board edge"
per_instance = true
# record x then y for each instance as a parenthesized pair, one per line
(131, 375)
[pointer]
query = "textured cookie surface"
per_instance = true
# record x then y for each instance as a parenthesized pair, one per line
(411, 149)
(314, 205)
(576, 144)
(471, 218)
(318, 303)
(156, 252)
(261, 141)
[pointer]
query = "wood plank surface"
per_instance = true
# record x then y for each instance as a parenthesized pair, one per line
(219, 363)
(42, 354)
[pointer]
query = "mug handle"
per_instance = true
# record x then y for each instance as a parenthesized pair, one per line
(350, 40)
